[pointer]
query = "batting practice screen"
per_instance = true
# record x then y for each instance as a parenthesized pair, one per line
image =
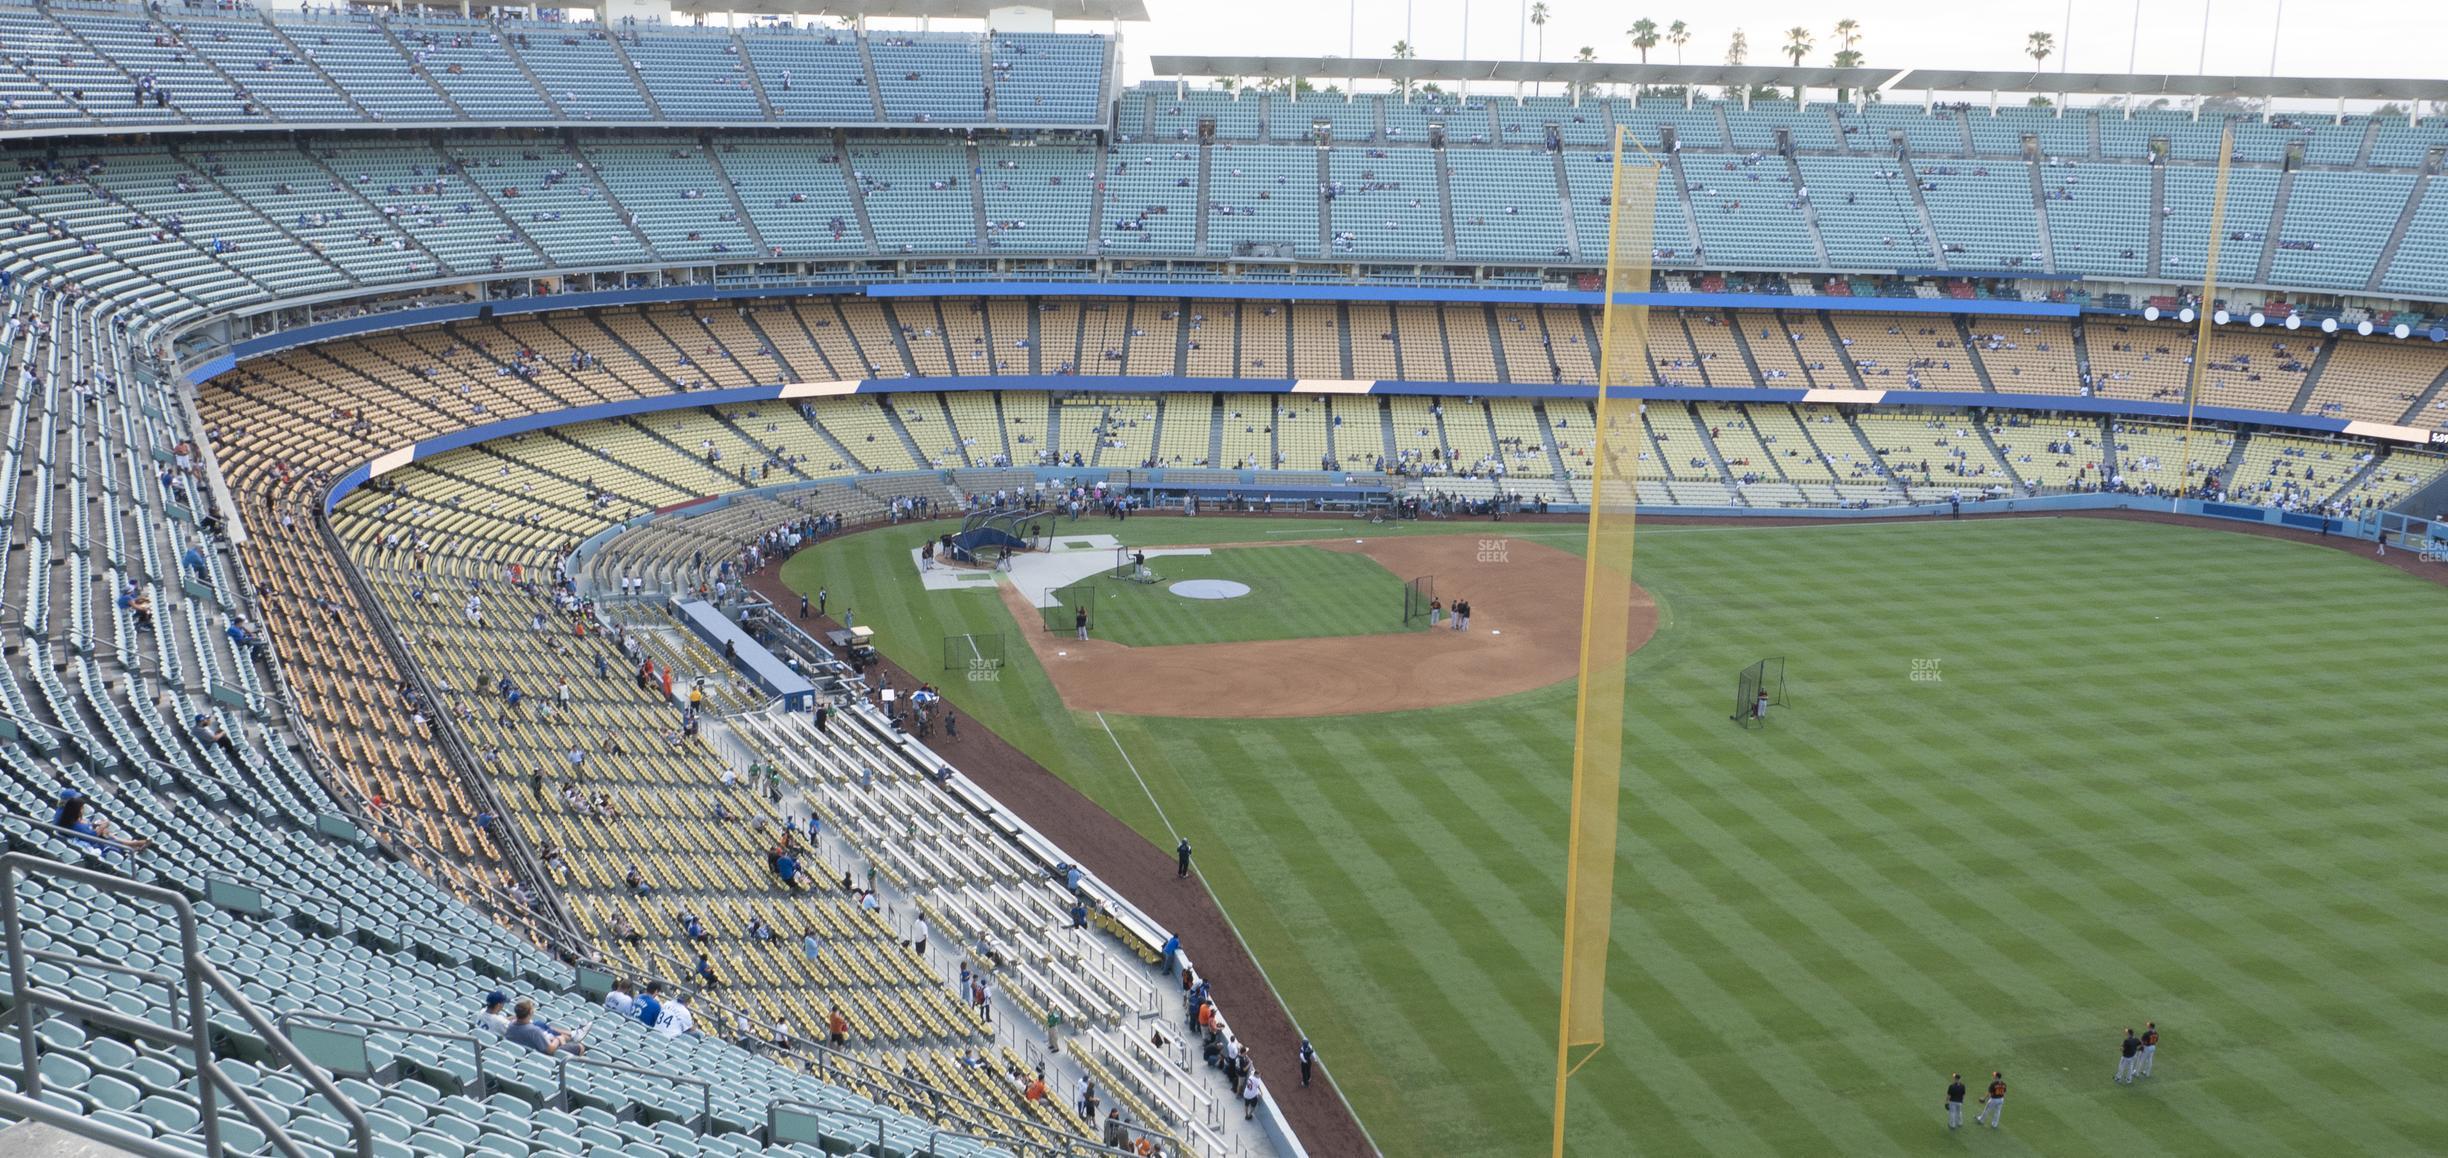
(1417, 595)
(1062, 604)
(973, 652)
(1768, 675)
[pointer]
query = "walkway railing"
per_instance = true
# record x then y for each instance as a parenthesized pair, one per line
(199, 977)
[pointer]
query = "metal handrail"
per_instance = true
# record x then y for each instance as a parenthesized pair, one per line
(705, 1089)
(513, 847)
(475, 1044)
(168, 982)
(199, 974)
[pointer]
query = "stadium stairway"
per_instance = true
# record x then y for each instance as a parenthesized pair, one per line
(2405, 224)
(849, 173)
(1971, 352)
(713, 156)
(1935, 245)
(2021, 485)
(1810, 210)
(2312, 376)
(755, 80)
(2273, 231)
(2040, 219)
(2158, 222)
(1444, 195)
(1564, 206)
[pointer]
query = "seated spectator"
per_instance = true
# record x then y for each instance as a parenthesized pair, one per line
(650, 1006)
(676, 1019)
(786, 866)
(495, 1019)
(527, 1031)
(619, 929)
(70, 815)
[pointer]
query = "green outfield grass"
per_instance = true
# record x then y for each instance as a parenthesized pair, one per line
(1295, 593)
(2160, 773)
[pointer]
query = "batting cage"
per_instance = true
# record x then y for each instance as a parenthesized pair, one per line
(1128, 568)
(973, 653)
(1417, 595)
(1062, 604)
(1765, 678)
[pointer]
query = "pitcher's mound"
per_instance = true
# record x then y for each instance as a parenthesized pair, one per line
(1528, 592)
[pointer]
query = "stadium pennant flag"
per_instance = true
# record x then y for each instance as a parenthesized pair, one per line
(1606, 615)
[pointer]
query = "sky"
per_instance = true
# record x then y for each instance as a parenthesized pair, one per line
(2394, 38)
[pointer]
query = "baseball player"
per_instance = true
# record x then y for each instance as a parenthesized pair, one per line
(2150, 1048)
(1994, 1110)
(1954, 1102)
(2129, 1051)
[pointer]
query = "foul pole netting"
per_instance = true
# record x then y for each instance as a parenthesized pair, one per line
(1606, 613)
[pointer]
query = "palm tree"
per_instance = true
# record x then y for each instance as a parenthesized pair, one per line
(1404, 51)
(1738, 49)
(1644, 34)
(1797, 46)
(2038, 46)
(1678, 34)
(1848, 34)
(1585, 90)
(1538, 20)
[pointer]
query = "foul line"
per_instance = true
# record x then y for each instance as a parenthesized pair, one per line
(1246, 951)
(1143, 784)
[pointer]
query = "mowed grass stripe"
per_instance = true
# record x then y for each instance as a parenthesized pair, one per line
(2164, 773)
(1295, 593)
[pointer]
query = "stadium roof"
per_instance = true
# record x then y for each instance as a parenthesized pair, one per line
(1106, 10)
(1781, 76)
(1568, 71)
(2161, 84)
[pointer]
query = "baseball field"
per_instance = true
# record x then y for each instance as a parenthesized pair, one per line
(2041, 779)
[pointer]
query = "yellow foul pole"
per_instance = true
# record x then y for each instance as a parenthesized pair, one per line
(1606, 600)
(2209, 298)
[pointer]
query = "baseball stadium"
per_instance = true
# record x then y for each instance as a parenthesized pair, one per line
(936, 579)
